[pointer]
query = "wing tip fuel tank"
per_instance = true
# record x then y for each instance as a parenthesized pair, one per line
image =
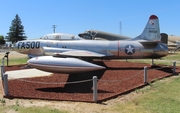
(62, 65)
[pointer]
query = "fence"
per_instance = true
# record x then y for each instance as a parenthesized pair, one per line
(4, 77)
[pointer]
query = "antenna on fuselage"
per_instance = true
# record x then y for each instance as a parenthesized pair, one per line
(120, 28)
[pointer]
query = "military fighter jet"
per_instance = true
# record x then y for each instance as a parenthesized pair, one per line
(68, 56)
(96, 35)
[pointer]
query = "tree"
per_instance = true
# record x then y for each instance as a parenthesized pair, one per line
(16, 31)
(2, 41)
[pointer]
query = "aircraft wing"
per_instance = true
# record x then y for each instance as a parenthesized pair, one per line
(64, 52)
(79, 53)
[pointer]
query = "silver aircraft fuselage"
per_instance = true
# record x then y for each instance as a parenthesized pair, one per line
(68, 56)
(126, 49)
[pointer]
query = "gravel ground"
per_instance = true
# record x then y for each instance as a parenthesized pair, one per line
(119, 78)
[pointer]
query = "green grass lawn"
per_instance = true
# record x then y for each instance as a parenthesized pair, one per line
(161, 97)
(15, 61)
(21, 109)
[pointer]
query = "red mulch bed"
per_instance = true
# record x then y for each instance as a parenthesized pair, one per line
(120, 77)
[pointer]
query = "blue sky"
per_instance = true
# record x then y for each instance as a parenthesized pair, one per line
(76, 16)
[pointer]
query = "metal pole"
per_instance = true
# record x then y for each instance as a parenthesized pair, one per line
(7, 60)
(2, 72)
(120, 28)
(174, 67)
(54, 28)
(145, 74)
(6, 84)
(152, 61)
(95, 88)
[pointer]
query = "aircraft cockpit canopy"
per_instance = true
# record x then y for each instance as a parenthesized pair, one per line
(59, 36)
(52, 37)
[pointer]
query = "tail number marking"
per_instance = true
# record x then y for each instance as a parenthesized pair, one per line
(29, 45)
(152, 31)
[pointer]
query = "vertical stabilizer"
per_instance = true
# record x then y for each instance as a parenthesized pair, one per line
(151, 31)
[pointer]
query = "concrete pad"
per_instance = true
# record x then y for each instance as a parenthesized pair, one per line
(26, 73)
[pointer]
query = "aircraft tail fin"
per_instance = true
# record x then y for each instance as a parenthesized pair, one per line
(151, 32)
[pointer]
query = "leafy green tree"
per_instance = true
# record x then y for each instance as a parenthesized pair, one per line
(2, 41)
(16, 30)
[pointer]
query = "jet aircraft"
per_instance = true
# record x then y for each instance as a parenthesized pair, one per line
(96, 34)
(173, 43)
(70, 56)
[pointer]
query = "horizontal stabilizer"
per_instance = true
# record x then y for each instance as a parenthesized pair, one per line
(148, 42)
